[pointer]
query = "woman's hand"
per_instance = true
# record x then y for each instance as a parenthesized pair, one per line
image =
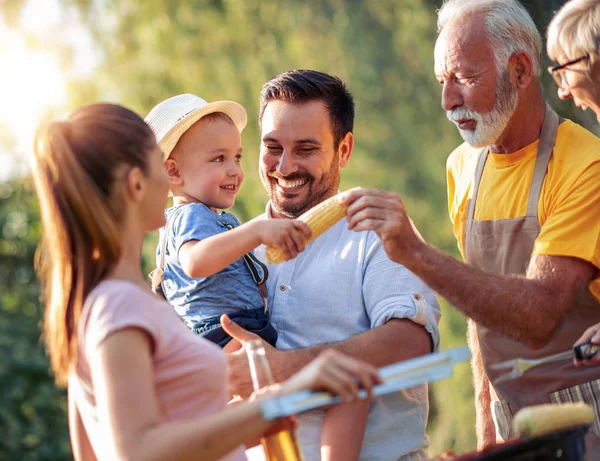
(331, 371)
(282, 424)
(336, 373)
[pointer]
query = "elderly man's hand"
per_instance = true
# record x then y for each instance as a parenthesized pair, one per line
(592, 334)
(383, 212)
(239, 380)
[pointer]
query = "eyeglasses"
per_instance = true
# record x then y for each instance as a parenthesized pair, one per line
(558, 72)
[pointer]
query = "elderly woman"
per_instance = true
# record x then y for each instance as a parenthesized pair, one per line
(574, 43)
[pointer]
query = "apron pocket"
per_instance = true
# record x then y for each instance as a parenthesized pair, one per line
(502, 418)
(588, 393)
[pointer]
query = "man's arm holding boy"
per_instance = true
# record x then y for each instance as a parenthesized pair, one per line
(403, 313)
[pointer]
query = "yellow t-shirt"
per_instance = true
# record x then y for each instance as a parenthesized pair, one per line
(569, 206)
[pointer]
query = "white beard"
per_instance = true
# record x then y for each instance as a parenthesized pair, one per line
(488, 126)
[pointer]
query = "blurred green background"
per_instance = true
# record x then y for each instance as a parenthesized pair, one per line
(139, 52)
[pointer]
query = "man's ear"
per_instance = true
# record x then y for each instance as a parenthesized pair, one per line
(345, 149)
(135, 184)
(172, 169)
(520, 68)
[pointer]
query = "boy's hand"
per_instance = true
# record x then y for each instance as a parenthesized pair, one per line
(287, 235)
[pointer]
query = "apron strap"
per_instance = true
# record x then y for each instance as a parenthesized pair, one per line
(475, 189)
(544, 153)
(546, 144)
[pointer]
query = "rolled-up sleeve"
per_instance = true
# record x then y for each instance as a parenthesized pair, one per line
(391, 291)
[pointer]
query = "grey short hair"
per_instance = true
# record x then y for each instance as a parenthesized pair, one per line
(508, 24)
(575, 30)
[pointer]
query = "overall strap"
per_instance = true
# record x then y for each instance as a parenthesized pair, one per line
(158, 274)
(259, 277)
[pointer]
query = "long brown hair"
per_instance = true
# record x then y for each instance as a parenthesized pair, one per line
(78, 169)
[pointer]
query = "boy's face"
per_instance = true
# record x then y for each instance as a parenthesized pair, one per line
(208, 164)
(299, 165)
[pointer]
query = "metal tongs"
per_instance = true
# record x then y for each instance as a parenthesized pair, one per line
(398, 376)
(516, 367)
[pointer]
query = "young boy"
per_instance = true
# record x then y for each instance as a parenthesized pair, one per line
(207, 277)
(209, 269)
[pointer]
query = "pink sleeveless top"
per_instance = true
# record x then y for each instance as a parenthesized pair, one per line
(190, 375)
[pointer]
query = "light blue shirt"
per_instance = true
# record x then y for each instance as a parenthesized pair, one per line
(344, 284)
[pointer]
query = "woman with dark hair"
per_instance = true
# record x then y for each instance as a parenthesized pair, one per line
(140, 385)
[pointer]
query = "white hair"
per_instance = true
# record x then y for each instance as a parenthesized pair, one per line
(575, 30)
(508, 25)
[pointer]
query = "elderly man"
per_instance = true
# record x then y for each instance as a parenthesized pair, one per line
(342, 292)
(524, 198)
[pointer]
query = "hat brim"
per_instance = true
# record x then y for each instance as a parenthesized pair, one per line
(232, 109)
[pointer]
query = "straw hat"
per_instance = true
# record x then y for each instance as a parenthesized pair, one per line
(173, 117)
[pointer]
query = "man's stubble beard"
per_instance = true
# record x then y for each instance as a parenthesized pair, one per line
(327, 187)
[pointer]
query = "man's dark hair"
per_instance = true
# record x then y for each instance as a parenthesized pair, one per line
(300, 86)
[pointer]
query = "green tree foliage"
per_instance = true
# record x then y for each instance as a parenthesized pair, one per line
(32, 409)
(226, 49)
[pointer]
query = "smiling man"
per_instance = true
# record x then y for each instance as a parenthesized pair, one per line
(342, 292)
(301, 156)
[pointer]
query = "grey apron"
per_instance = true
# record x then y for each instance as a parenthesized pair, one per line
(505, 247)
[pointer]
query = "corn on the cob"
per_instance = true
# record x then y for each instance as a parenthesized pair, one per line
(319, 219)
(543, 419)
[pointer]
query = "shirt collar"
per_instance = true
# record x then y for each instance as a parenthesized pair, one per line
(268, 213)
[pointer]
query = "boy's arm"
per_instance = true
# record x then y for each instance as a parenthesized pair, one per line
(202, 258)
(343, 431)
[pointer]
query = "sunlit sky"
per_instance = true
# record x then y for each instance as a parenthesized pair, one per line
(31, 78)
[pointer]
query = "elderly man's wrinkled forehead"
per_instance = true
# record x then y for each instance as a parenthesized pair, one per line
(462, 38)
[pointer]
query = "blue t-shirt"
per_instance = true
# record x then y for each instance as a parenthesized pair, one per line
(196, 299)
